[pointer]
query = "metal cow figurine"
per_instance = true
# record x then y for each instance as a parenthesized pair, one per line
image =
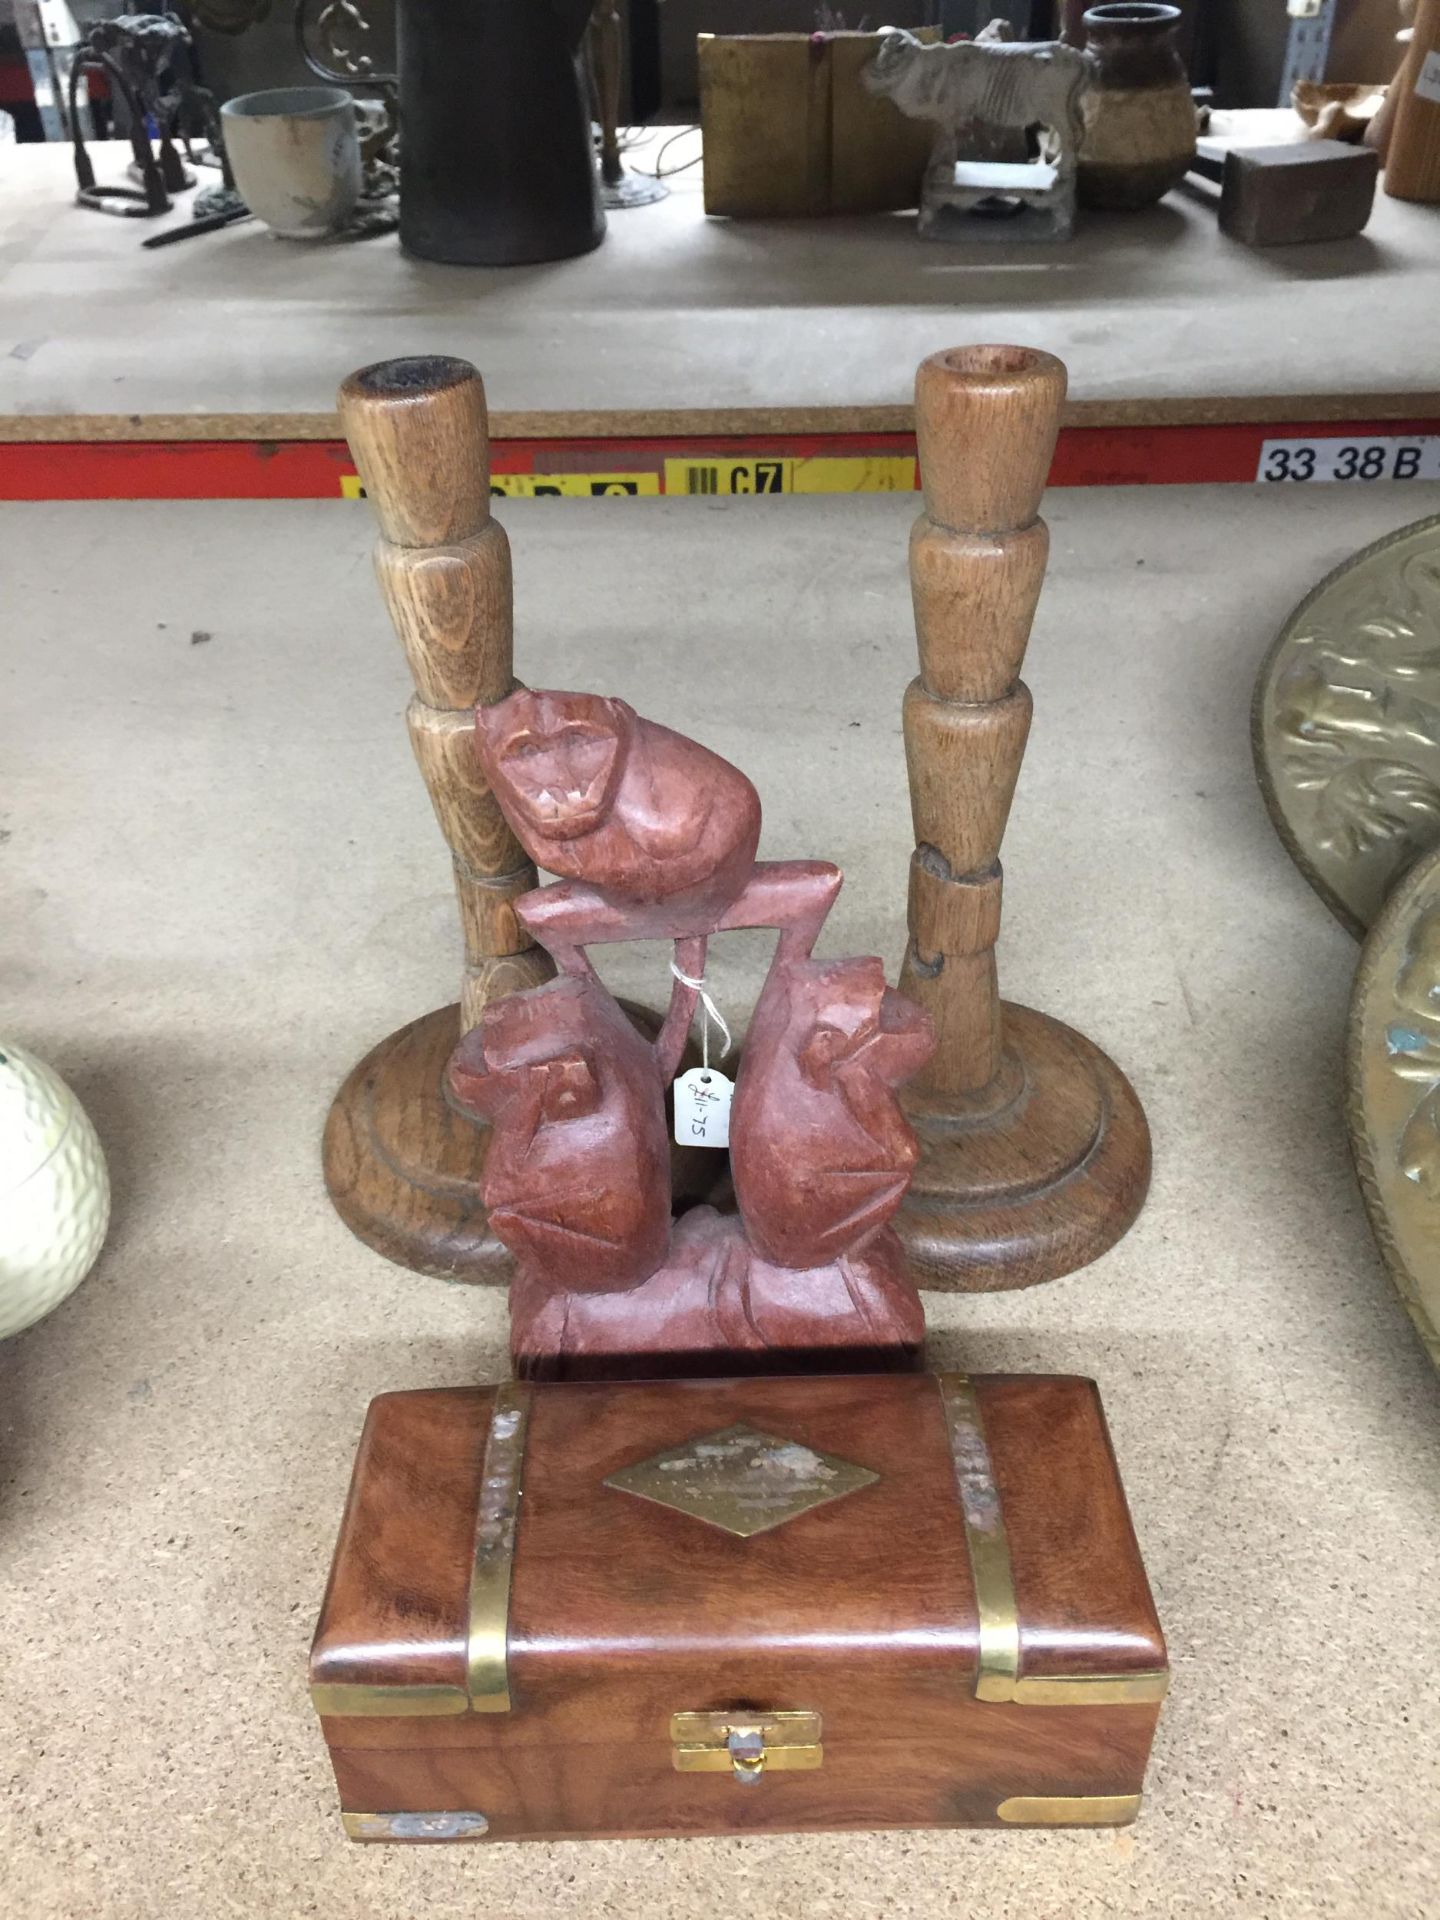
(1016, 85)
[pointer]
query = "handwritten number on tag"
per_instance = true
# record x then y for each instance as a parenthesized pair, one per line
(702, 1108)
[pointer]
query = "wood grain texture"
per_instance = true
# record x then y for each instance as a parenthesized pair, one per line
(963, 762)
(948, 916)
(453, 608)
(986, 421)
(400, 1577)
(401, 1165)
(492, 976)
(1030, 1177)
(975, 597)
(1034, 1153)
(1412, 159)
(475, 829)
(624, 1612)
(488, 919)
(420, 435)
(960, 993)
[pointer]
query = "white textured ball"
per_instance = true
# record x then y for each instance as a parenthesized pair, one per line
(54, 1190)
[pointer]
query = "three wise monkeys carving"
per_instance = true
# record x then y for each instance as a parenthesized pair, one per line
(653, 837)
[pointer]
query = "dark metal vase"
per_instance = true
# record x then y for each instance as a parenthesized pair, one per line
(497, 162)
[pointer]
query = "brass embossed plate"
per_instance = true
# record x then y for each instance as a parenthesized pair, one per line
(1393, 1090)
(1346, 723)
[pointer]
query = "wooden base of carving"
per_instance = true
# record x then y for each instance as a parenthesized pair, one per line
(1040, 1175)
(403, 1166)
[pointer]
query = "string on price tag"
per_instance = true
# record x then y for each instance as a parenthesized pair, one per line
(703, 1095)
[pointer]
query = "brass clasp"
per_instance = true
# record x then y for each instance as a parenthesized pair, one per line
(745, 1745)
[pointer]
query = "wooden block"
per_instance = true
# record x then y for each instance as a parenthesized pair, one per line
(877, 153)
(1313, 190)
(765, 114)
(791, 129)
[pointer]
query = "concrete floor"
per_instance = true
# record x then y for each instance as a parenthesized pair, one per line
(220, 883)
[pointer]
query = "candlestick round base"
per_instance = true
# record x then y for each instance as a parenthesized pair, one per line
(403, 1166)
(1011, 1193)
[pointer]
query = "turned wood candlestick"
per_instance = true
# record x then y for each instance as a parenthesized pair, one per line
(1035, 1152)
(402, 1165)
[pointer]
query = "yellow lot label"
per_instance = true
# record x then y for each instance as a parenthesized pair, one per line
(529, 486)
(860, 473)
(701, 474)
(572, 486)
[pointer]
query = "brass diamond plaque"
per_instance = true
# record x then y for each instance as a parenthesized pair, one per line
(741, 1480)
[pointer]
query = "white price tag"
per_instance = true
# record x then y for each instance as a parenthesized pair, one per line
(1427, 81)
(1413, 456)
(702, 1108)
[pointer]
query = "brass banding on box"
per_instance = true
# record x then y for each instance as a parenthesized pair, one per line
(486, 1675)
(414, 1826)
(989, 1549)
(998, 1678)
(1078, 1810)
(362, 1702)
(1092, 1690)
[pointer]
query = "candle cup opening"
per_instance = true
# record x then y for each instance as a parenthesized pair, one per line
(994, 363)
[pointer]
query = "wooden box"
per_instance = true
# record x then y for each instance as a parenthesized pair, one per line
(737, 1606)
(788, 127)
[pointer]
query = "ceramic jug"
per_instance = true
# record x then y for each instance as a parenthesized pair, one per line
(1139, 118)
(497, 163)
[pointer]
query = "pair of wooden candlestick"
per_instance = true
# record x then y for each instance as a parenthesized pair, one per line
(1034, 1150)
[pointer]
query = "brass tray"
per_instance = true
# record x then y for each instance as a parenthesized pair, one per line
(1392, 1090)
(1346, 723)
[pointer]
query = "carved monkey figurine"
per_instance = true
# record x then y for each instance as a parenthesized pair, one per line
(634, 816)
(820, 1149)
(653, 837)
(577, 1178)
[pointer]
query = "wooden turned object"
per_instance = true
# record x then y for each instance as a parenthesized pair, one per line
(1035, 1152)
(403, 1163)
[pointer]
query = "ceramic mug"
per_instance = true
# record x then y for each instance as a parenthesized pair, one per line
(295, 155)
